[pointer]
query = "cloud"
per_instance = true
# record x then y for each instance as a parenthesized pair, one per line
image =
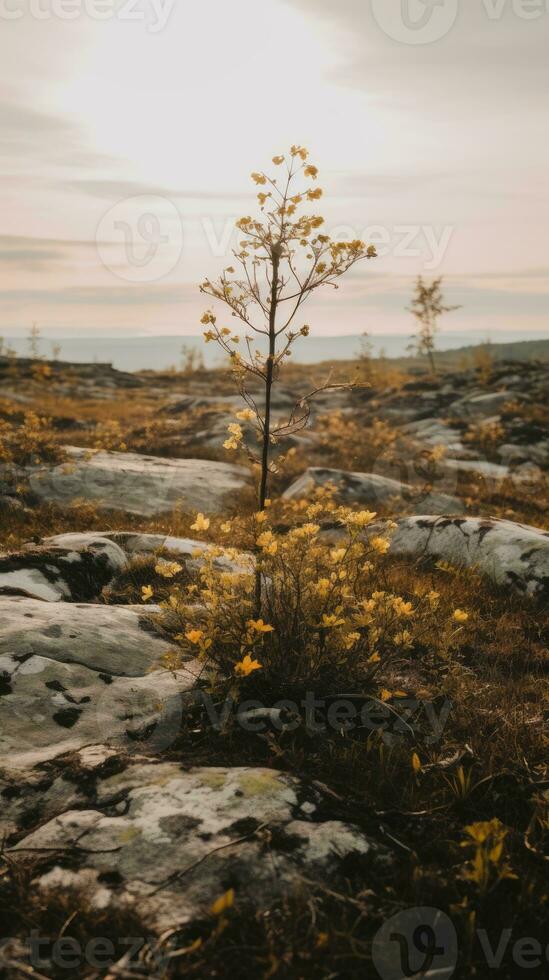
(483, 57)
(116, 190)
(115, 296)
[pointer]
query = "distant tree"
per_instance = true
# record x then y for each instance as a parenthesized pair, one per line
(33, 340)
(427, 305)
(192, 360)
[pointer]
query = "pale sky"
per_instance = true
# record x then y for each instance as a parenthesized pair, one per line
(129, 131)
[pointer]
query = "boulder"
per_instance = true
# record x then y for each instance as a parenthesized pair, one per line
(62, 571)
(136, 484)
(433, 432)
(371, 489)
(169, 842)
(74, 675)
(484, 405)
(538, 453)
(510, 555)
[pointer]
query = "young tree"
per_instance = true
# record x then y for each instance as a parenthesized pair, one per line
(427, 305)
(282, 259)
(33, 342)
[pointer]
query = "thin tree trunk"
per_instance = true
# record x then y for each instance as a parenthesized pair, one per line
(263, 485)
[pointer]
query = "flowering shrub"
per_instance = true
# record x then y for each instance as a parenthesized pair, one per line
(327, 617)
(29, 442)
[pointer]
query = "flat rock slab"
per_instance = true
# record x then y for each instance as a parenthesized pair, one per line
(74, 675)
(174, 840)
(61, 572)
(485, 404)
(192, 552)
(433, 432)
(478, 467)
(371, 488)
(137, 484)
(509, 554)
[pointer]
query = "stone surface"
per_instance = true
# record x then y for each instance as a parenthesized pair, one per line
(484, 405)
(65, 570)
(480, 467)
(509, 554)
(73, 675)
(134, 545)
(433, 432)
(371, 489)
(136, 484)
(172, 841)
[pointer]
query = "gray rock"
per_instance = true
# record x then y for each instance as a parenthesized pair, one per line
(61, 571)
(433, 432)
(371, 489)
(76, 675)
(511, 454)
(133, 545)
(136, 484)
(509, 554)
(478, 406)
(175, 839)
(490, 471)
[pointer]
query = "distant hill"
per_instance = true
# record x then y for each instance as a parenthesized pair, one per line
(161, 353)
(522, 350)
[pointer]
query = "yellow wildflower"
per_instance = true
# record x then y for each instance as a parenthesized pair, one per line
(361, 518)
(247, 666)
(194, 636)
(403, 639)
(201, 524)
(258, 626)
(402, 608)
(299, 151)
(461, 616)
(381, 545)
(168, 569)
(267, 543)
(146, 593)
(223, 903)
(350, 640)
(331, 621)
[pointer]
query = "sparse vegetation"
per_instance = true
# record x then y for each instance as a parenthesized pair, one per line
(452, 777)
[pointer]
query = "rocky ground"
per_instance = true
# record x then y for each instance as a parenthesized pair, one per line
(124, 809)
